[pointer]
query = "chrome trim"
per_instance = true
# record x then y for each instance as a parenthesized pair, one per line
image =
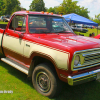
(90, 54)
(81, 78)
(86, 50)
(89, 66)
(15, 65)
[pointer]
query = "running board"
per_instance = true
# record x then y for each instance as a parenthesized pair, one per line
(15, 65)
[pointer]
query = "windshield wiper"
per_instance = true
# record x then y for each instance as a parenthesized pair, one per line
(63, 32)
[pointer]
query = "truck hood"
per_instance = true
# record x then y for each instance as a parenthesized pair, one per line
(70, 41)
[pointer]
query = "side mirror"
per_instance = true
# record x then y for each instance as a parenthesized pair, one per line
(15, 22)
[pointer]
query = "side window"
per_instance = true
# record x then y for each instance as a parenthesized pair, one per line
(18, 23)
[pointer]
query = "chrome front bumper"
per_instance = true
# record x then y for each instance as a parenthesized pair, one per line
(82, 78)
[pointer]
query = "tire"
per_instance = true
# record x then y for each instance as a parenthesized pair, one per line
(45, 81)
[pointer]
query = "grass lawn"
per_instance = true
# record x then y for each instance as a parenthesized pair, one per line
(16, 81)
(89, 32)
(3, 22)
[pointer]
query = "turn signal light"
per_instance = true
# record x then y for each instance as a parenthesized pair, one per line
(51, 13)
(27, 11)
(47, 13)
(42, 12)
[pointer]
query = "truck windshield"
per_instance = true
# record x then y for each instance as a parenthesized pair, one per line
(47, 24)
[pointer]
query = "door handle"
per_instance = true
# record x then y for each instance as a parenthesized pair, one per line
(7, 34)
(27, 45)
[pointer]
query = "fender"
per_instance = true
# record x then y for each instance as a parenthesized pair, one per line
(62, 74)
(97, 37)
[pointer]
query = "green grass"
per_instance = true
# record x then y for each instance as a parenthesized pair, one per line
(89, 32)
(3, 22)
(16, 81)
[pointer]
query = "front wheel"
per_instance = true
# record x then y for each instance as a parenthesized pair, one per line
(45, 81)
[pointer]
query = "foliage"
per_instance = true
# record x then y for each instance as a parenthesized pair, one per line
(7, 7)
(52, 10)
(82, 11)
(2, 7)
(97, 19)
(69, 6)
(37, 5)
(12, 6)
(23, 8)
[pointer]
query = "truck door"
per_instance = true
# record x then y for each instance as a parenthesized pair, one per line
(13, 43)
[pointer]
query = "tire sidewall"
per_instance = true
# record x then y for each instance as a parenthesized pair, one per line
(53, 81)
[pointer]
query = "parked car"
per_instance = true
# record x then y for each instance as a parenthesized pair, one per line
(98, 27)
(88, 26)
(1, 18)
(78, 28)
(5, 18)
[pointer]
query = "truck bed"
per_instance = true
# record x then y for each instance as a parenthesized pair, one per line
(3, 26)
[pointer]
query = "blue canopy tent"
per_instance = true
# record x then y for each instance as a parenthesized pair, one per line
(74, 18)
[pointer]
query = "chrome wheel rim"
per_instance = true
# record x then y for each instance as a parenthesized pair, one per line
(43, 81)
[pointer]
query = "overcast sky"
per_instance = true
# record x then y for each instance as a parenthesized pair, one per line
(92, 5)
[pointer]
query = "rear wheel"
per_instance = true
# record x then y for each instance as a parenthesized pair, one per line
(45, 81)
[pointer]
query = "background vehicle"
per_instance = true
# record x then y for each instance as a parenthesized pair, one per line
(78, 28)
(1, 18)
(5, 18)
(88, 26)
(98, 27)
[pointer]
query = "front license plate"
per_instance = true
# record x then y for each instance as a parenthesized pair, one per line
(98, 76)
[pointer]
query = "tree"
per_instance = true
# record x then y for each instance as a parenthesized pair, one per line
(82, 11)
(2, 7)
(69, 6)
(97, 19)
(23, 9)
(12, 6)
(37, 5)
(52, 10)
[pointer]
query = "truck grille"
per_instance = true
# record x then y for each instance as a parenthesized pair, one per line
(91, 58)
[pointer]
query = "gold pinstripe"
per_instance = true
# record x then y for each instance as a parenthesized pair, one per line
(16, 45)
(60, 58)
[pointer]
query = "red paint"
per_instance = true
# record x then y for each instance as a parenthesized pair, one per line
(97, 37)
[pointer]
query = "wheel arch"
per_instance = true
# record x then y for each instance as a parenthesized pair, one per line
(37, 58)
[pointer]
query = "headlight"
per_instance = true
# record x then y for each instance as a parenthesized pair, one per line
(77, 60)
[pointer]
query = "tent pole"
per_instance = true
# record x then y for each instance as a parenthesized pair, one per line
(97, 30)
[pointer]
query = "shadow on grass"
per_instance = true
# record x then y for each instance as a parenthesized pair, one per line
(86, 91)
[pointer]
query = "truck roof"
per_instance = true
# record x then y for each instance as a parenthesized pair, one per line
(33, 12)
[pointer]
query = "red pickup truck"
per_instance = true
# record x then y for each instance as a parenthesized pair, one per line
(44, 47)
